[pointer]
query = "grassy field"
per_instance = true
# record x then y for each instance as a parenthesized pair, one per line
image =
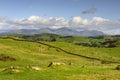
(21, 60)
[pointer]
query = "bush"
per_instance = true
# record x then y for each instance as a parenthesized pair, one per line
(118, 67)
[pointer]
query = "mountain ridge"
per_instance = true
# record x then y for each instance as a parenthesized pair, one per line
(60, 31)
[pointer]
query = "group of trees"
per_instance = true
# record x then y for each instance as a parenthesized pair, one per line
(37, 37)
(108, 43)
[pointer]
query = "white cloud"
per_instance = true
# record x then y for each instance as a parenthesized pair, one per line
(38, 22)
(35, 22)
(58, 21)
(78, 22)
(34, 18)
(99, 19)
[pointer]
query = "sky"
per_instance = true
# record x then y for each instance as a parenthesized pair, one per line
(102, 15)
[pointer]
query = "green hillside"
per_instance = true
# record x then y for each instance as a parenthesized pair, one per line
(28, 60)
(97, 41)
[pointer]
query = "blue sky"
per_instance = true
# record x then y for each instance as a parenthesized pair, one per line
(62, 8)
(79, 12)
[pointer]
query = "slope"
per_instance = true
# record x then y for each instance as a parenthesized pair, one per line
(75, 68)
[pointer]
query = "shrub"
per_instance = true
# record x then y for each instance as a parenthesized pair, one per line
(118, 67)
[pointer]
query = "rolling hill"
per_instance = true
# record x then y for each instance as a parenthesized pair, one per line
(31, 59)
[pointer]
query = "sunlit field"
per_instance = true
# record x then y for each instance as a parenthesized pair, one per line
(22, 60)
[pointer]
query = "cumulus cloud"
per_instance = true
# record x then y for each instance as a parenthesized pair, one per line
(99, 19)
(90, 11)
(3, 22)
(37, 22)
(78, 22)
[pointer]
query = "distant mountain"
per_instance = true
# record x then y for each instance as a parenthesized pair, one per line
(61, 31)
(90, 33)
(65, 32)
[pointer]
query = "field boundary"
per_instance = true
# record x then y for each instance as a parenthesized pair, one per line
(60, 49)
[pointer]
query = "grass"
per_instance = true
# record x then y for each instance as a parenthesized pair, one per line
(30, 53)
(60, 73)
(109, 54)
